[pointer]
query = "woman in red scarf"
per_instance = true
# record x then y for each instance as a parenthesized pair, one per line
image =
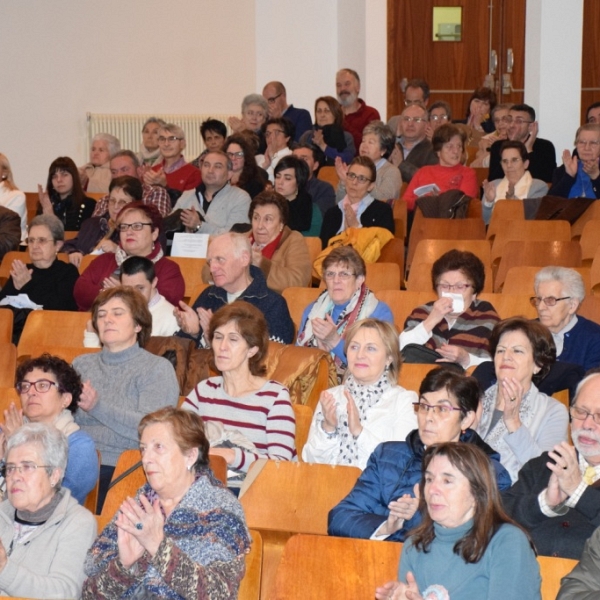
(281, 254)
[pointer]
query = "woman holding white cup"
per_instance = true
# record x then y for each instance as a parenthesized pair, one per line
(456, 327)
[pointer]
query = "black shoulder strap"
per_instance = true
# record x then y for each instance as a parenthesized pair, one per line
(125, 474)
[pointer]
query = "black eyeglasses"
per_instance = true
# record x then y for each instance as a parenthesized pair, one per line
(41, 386)
(134, 226)
(273, 98)
(548, 301)
(580, 414)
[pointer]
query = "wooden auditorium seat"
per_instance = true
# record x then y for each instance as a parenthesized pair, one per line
(329, 174)
(412, 374)
(298, 298)
(250, 585)
(304, 415)
(315, 567)
(400, 210)
(511, 305)
(428, 251)
(281, 498)
(504, 210)
(8, 395)
(402, 303)
(592, 212)
(8, 364)
(191, 269)
(589, 241)
(516, 253)
(519, 280)
(6, 325)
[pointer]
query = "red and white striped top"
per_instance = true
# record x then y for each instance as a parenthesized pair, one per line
(265, 417)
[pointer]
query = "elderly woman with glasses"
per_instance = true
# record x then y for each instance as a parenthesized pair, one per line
(377, 144)
(44, 532)
(518, 420)
(384, 505)
(279, 134)
(457, 326)
(345, 301)
(50, 389)
(579, 175)
(46, 280)
(517, 183)
(139, 226)
(501, 122)
(559, 293)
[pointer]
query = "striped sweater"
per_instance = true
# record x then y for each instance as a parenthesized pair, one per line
(471, 330)
(265, 417)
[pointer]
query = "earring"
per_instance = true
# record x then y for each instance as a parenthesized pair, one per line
(189, 467)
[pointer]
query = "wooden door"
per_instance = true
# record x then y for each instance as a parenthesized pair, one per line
(590, 67)
(454, 69)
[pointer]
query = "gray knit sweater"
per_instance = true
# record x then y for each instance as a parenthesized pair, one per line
(130, 384)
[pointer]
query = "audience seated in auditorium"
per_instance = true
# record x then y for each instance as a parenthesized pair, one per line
(279, 135)
(124, 163)
(518, 420)
(321, 192)
(139, 273)
(213, 134)
(45, 532)
(245, 173)
(99, 235)
(467, 546)
(172, 172)
(50, 389)
(11, 196)
(280, 253)
(415, 93)
(149, 153)
(64, 196)
(247, 416)
(413, 149)
(345, 301)
(369, 408)
(215, 206)
(456, 327)
(46, 280)
(123, 382)
(383, 503)
(478, 120)
(377, 144)
(291, 176)
(275, 94)
(229, 259)
(559, 293)
(501, 123)
(579, 175)
(517, 183)
(557, 497)
(358, 208)
(189, 532)
(440, 113)
(328, 132)
(450, 174)
(255, 112)
(95, 175)
(524, 128)
(357, 115)
(139, 227)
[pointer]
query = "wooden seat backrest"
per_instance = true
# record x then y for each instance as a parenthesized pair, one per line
(6, 325)
(330, 175)
(304, 415)
(8, 364)
(411, 375)
(314, 247)
(589, 241)
(511, 305)
(552, 570)
(402, 303)
(250, 585)
(428, 251)
(298, 298)
(191, 269)
(504, 210)
(517, 253)
(520, 280)
(592, 212)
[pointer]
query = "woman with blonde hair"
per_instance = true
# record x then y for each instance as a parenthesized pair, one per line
(11, 196)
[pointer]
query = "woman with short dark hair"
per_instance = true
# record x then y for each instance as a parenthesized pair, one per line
(184, 535)
(449, 143)
(249, 416)
(456, 327)
(281, 254)
(466, 546)
(518, 420)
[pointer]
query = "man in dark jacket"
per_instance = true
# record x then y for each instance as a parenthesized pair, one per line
(557, 495)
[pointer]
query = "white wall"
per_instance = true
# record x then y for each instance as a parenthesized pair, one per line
(63, 58)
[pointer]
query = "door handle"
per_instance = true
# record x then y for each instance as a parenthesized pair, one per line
(493, 62)
(510, 60)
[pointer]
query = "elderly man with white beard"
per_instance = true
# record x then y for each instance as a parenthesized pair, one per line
(557, 495)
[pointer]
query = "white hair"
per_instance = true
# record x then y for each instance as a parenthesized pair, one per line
(571, 281)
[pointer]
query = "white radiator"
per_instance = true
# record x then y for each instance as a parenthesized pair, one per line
(128, 128)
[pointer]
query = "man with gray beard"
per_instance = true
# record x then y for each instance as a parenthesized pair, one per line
(357, 115)
(557, 495)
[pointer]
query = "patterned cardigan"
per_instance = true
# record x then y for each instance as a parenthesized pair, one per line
(471, 330)
(201, 555)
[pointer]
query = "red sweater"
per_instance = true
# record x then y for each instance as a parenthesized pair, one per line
(446, 178)
(355, 122)
(185, 178)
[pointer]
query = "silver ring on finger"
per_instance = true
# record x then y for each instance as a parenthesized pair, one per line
(139, 526)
